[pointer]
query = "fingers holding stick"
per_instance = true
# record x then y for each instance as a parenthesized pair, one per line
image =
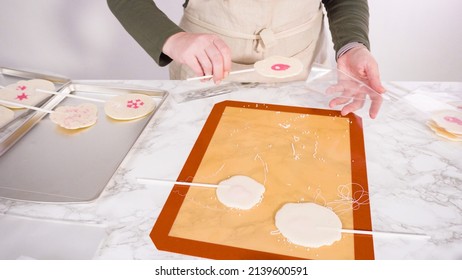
(205, 54)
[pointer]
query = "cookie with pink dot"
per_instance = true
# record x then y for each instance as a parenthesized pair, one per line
(447, 124)
(129, 106)
(75, 117)
(279, 67)
(24, 92)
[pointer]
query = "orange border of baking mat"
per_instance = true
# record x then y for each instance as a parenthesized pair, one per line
(363, 244)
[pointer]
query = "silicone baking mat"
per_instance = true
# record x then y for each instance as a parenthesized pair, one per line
(298, 154)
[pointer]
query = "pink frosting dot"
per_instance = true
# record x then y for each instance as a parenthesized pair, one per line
(280, 67)
(453, 120)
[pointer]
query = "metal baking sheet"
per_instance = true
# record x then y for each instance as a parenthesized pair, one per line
(52, 164)
(23, 119)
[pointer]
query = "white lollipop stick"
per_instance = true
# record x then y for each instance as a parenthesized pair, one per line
(25, 106)
(67, 95)
(382, 233)
(152, 181)
(55, 115)
(71, 95)
(230, 73)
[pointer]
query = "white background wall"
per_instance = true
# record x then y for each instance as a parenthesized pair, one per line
(416, 40)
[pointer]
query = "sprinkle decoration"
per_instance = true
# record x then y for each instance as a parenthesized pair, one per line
(135, 104)
(22, 96)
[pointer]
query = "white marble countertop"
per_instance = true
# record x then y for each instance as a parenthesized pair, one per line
(415, 177)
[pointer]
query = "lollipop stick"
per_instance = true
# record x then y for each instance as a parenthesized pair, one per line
(231, 73)
(71, 95)
(382, 233)
(25, 106)
(67, 95)
(152, 181)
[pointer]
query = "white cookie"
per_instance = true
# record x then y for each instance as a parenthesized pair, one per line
(443, 133)
(129, 106)
(24, 92)
(308, 224)
(451, 121)
(279, 67)
(240, 192)
(75, 117)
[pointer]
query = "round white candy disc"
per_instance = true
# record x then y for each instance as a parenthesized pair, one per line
(443, 133)
(240, 192)
(279, 67)
(449, 120)
(6, 115)
(308, 224)
(75, 117)
(129, 106)
(24, 92)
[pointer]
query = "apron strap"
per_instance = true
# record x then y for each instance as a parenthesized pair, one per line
(267, 37)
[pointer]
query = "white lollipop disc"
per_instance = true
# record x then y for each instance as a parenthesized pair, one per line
(308, 224)
(279, 67)
(24, 92)
(449, 120)
(129, 106)
(240, 192)
(75, 117)
(443, 133)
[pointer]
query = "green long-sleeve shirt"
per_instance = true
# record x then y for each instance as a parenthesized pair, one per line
(150, 27)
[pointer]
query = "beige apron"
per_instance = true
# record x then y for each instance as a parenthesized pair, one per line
(257, 29)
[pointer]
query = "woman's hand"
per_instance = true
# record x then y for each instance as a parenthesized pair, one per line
(205, 54)
(359, 78)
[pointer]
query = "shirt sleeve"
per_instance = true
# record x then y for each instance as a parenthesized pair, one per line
(348, 22)
(148, 25)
